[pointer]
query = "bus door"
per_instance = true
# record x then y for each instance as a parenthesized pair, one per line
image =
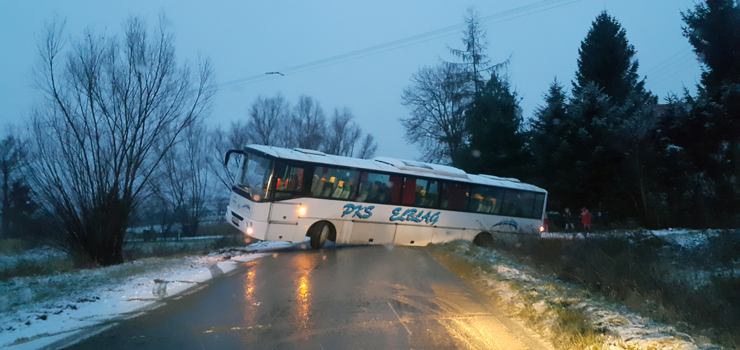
(288, 182)
(283, 221)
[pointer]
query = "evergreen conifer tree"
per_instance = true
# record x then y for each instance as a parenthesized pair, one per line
(709, 134)
(606, 58)
(493, 121)
(475, 61)
(552, 138)
(713, 28)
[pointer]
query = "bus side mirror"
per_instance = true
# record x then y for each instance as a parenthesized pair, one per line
(228, 155)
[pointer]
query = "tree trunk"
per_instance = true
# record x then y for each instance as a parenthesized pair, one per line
(5, 206)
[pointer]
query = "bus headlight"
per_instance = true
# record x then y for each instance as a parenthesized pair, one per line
(302, 211)
(249, 230)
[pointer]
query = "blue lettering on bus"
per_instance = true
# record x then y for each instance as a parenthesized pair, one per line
(358, 210)
(414, 215)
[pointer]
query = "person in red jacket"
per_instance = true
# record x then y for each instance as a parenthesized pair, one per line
(586, 219)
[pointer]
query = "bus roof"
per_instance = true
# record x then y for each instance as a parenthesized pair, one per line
(393, 165)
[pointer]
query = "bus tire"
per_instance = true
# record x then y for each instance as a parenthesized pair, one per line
(483, 239)
(319, 233)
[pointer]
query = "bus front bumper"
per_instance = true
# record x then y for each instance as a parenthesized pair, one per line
(249, 227)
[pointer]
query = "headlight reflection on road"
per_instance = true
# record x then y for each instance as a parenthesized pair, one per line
(303, 290)
(249, 302)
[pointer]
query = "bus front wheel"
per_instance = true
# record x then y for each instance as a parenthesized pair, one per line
(319, 232)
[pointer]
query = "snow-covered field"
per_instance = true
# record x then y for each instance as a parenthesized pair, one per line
(40, 310)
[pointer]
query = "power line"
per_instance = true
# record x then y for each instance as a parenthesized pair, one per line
(412, 40)
(667, 69)
(666, 60)
(678, 70)
(422, 41)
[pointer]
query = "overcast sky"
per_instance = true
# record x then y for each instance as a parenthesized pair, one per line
(372, 49)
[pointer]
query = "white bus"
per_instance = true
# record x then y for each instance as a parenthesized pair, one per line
(290, 194)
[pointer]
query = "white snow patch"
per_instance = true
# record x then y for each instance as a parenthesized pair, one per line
(684, 237)
(39, 310)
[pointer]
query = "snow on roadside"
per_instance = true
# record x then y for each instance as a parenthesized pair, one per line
(39, 310)
(517, 287)
(683, 237)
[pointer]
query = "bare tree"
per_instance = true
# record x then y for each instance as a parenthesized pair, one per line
(12, 153)
(368, 148)
(235, 137)
(437, 98)
(183, 180)
(308, 124)
(267, 119)
(109, 103)
(343, 133)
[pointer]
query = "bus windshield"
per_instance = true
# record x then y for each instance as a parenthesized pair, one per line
(255, 177)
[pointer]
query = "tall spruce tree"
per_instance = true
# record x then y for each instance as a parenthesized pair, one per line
(475, 61)
(552, 138)
(494, 122)
(595, 162)
(704, 133)
(713, 28)
(606, 58)
(607, 92)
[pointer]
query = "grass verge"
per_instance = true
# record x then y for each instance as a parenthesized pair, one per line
(695, 287)
(562, 327)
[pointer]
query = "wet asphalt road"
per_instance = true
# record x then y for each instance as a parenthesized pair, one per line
(342, 297)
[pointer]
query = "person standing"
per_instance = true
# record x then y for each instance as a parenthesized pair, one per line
(586, 219)
(568, 217)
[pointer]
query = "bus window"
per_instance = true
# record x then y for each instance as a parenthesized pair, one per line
(539, 205)
(288, 181)
(379, 188)
(425, 193)
(486, 200)
(333, 183)
(527, 200)
(518, 203)
(453, 196)
(255, 177)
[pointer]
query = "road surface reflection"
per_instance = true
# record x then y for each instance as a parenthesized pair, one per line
(249, 301)
(303, 264)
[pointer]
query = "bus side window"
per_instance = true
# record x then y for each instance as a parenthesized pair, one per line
(288, 181)
(378, 188)
(527, 204)
(333, 183)
(425, 194)
(497, 199)
(453, 196)
(539, 205)
(477, 195)
(487, 200)
(513, 204)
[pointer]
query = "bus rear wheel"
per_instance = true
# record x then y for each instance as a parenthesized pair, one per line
(483, 239)
(319, 233)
